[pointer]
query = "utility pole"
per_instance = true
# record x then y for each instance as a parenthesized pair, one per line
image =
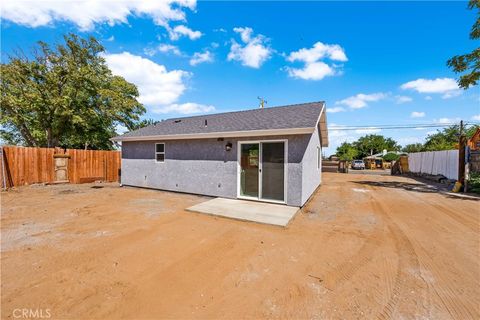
(461, 155)
(262, 102)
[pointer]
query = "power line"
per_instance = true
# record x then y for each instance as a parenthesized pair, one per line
(392, 126)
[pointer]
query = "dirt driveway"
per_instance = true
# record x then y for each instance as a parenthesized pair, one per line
(365, 247)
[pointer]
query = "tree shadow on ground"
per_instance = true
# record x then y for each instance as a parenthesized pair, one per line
(418, 187)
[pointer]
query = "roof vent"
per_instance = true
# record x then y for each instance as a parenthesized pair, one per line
(177, 121)
(206, 124)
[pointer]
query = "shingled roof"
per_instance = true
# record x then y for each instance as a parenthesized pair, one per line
(291, 119)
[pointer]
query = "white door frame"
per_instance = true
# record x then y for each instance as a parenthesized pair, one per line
(260, 158)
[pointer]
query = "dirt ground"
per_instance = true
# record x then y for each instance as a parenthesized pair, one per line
(365, 246)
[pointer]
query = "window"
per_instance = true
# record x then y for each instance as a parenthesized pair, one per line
(319, 158)
(160, 152)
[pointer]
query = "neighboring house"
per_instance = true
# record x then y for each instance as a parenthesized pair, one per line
(269, 154)
(474, 141)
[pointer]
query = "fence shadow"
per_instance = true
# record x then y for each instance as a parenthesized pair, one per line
(421, 187)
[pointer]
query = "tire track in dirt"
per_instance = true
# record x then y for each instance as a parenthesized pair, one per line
(345, 270)
(447, 294)
(464, 220)
(407, 257)
(456, 308)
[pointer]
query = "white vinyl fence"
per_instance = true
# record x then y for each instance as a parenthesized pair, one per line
(435, 162)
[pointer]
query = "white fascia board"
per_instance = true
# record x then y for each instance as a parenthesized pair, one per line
(323, 126)
(229, 134)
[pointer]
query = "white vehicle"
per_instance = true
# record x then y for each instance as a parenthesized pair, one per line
(358, 164)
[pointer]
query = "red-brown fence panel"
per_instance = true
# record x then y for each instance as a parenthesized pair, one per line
(26, 165)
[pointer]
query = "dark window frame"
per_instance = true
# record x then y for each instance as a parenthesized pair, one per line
(159, 152)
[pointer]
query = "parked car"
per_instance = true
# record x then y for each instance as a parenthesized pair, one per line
(358, 164)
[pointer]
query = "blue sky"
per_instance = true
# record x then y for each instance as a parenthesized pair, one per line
(374, 63)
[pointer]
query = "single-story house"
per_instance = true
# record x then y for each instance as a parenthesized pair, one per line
(268, 154)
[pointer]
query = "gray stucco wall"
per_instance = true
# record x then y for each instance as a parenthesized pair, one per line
(311, 167)
(202, 166)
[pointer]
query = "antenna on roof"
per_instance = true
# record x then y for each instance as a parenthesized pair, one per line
(262, 102)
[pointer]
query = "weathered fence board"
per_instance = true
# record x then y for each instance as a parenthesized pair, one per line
(25, 165)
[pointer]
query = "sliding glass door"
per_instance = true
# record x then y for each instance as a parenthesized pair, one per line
(249, 169)
(262, 170)
(273, 170)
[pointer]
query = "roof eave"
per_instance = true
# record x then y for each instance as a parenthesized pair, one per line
(228, 134)
(322, 126)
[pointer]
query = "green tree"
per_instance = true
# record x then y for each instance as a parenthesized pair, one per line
(447, 138)
(391, 157)
(414, 147)
(346, 151)
(469, 64)
(143, 123)
(65, 95)
(374, 143)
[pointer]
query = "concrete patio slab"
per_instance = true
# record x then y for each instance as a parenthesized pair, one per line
(261, 212)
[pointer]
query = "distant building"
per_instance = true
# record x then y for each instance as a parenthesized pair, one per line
(474, 141)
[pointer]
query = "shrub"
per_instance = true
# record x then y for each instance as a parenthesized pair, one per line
(474, 182)
(391, 157)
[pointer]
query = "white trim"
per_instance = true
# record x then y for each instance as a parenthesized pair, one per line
(319, 157)
(260, 156)
(320, 115)
(228, 134)
(323, 133)
(156, 152)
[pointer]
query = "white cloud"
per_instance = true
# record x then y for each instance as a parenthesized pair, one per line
(361, 100)
(201, 57)
(447, 120)
(314, 68)
(157, 85)
(409, 140)
(317, 52)
(185, 108)
(446, 86)
(253, 53)
(402, 99)
(245, 33)
(368, 130)
(150, 51)
(312, 71)
(476, 117)
(337, 135)
(120, 129)
(110, 39)
(164, 48)
(335, 109)
(417, 114)
(86, 13)
(185, 31)
(451, 94)
(169, 48)
(159, 88)
(428, 98)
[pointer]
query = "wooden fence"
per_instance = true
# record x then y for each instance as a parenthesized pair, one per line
(23, 165)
